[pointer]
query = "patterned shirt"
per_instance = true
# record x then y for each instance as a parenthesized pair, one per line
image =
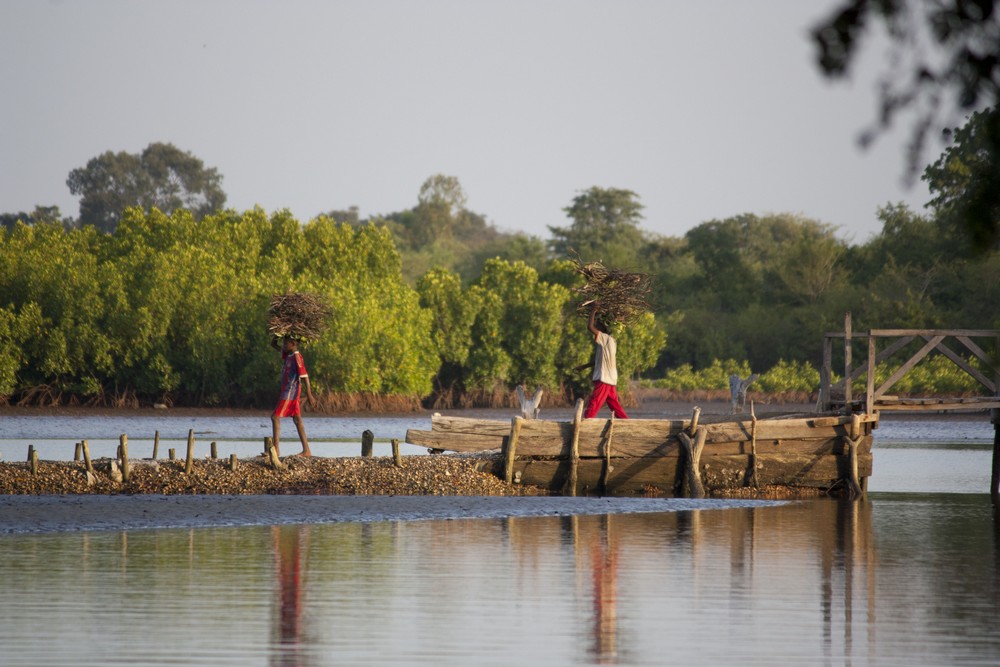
(292, 370)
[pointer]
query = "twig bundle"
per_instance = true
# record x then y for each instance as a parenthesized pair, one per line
(620, 296)
(297, 314)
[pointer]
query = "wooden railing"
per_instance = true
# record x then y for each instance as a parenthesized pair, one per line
(839, 394)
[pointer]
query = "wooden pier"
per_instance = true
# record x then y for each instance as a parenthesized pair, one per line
(960, 346)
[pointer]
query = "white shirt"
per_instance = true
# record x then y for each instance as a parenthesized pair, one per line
(605, 366)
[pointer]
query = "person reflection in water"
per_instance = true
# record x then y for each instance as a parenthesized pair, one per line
(604, 566)
(288, 556)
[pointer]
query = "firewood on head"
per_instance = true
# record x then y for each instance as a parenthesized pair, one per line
(621, 296)
(298, 315)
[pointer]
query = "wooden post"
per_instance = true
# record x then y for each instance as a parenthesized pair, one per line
(156, 444)
(189, 464)
(854, 487)
(995, 477)
(232, 462)
(515, 431)
(847, 363)
(825, 375)
(31, 450)
(693, 450)
(396, 456)
(272, 454)
(86, 457)
(695, 416)
(215, 450)
(753, 447)
(34, 461)
(870, 379)
(172, 454)
(574, 461)
(853, 442)
(607, 456)
(367, 440)
(123, 446)
(78, 451)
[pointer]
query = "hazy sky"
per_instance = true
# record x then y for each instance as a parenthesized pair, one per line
(705, 109)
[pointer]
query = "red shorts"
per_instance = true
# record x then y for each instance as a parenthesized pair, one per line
(288, 408)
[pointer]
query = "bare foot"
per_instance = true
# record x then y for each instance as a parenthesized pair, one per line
(305, 454)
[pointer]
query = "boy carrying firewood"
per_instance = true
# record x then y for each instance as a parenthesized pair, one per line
(293, 376)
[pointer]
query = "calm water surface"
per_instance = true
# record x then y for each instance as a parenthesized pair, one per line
(910, 577)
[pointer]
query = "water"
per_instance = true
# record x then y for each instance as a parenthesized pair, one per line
(911, 577)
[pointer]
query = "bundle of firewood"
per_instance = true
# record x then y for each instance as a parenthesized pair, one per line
(620, 295)
(299, 315)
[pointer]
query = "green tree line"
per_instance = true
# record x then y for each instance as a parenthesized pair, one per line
(173, 308)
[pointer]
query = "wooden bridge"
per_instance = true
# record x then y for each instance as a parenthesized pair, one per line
(884, 344)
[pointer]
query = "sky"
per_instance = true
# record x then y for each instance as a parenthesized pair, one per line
(705, 110)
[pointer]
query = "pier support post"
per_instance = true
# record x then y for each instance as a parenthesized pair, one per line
(214, 448)
(693, 448)
(853, 441)
(156, 444)
(995, 476)
(508, 465)
(608, 468)
(574, 453)
(367, 440)
(752, 477)
(232, 462)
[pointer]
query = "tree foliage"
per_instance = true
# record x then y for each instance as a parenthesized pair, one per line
(945, 59)
(162, 176)
(605, 227)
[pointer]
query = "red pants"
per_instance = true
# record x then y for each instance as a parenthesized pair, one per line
(604, 393)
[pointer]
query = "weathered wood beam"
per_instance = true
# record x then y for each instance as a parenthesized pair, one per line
(905, 368)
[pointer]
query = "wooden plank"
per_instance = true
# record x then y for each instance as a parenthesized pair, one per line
(496, 427)
(969, 333)
(939, 405)
(640, 476)
(455, 442)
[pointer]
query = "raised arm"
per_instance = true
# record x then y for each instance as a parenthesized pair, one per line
(591, 325)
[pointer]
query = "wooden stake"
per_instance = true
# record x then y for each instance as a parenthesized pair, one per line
(753, 446)
(607, 456)
(272, 454)
(367, 440)
(396, 456)
(515, 432)
(995, 474)
(31, 450)
(123, 446)
(215, 450)
(34, 462)
(172, 454)
(232, 462)
(574, 461)
(189, 464)
(156, 444)
(78, 451)
(695, 416)
(693, 450)
(86, 457)
(854, 487)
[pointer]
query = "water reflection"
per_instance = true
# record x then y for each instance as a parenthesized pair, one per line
(805, 583)
(291, 543)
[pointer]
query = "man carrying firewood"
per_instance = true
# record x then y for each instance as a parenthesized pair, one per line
(605, 369)
(293, 376)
